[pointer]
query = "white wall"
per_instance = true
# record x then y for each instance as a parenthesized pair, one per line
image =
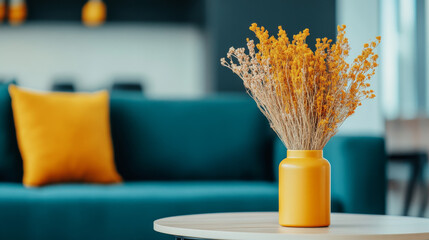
(170, 58)
(362, 20)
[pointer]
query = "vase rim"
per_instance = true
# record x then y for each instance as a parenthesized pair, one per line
(304, 153)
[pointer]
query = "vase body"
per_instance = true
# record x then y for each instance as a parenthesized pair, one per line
(304, 189)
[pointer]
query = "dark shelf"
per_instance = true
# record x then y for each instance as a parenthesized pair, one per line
(183, 11)
(225, 23)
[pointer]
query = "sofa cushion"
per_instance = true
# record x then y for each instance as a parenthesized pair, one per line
(10, 159)
(124, 211)
(64, 137)
(222, 138)
(119, 212)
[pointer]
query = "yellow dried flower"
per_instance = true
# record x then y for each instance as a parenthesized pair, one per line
(306, 95)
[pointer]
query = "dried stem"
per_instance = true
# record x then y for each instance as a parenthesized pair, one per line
(305, 95)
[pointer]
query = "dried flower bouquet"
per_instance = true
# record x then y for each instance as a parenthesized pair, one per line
(306, 95)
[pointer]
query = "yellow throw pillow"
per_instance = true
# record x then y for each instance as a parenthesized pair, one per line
(64, 137)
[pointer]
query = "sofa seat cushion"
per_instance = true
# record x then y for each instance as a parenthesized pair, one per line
(125, 211)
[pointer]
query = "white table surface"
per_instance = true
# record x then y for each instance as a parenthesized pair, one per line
(264, 226)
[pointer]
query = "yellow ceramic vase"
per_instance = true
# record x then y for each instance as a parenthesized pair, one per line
(304, 189)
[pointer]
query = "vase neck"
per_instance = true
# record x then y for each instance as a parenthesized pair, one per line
(304, 153)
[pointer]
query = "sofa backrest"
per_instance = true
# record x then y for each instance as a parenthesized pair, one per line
(10, 158)
(219, 138)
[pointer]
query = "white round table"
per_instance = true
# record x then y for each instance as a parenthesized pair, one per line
(264, 226)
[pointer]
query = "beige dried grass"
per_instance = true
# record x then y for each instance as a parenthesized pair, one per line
(304, 101)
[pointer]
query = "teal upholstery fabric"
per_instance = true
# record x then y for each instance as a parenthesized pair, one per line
(220, 138)
(80, 212)
(125, 211)
(358, 172)
(177, 157)
(10, 159)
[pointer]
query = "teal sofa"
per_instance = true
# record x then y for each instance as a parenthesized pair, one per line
(177, 157)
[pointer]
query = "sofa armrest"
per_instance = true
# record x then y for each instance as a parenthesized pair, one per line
(358, 172)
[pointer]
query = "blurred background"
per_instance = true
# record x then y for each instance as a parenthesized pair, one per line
(171, 49)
